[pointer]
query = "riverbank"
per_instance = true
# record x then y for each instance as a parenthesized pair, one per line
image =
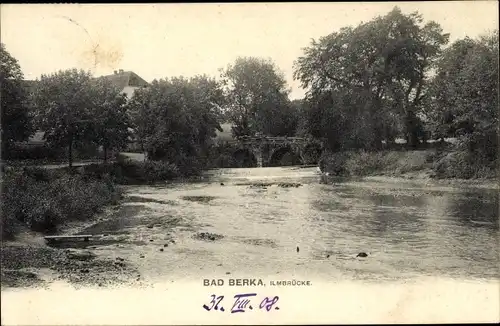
(450, 165)
(420, 245)
(38, 201)
(155, 214)
(28, 261)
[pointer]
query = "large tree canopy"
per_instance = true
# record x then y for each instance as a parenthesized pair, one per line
(15, 124)
(177, 117)
(257, 97)
(111, 117)
(374, 74)
(74, 109)
(64, 108)
(464, 92)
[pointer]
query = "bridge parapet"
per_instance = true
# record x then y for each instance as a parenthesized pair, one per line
(264, 147)
(270, 140)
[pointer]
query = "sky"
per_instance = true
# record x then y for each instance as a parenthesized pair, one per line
(166, 40)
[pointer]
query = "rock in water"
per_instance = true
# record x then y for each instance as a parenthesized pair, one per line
(222, 183)
(362, 254)
(297, 249)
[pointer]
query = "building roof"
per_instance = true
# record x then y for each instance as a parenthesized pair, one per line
(122, 79)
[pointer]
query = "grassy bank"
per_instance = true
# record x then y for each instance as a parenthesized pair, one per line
(41, 200)
(433, 163)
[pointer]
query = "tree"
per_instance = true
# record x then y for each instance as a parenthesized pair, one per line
(111, 118)
(16, 123)
(176, 118)
(377, 70)
(464, 99)
(65, 107)
(258, 98)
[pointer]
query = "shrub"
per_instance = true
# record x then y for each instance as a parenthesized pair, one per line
(464, 165)
(334, 163)
(42, 200)
(365, 163)
(32, 152)
(160, 171)
(131, 172)
(224, 161)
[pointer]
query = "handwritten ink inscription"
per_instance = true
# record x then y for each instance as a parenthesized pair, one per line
(242, 303)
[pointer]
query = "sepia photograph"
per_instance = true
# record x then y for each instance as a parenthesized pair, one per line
(250, 163)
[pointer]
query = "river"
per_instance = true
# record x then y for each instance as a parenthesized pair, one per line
(283, 223)
(408, 230)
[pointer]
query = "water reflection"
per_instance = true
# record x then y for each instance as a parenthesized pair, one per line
(408, 230)
(423, 231)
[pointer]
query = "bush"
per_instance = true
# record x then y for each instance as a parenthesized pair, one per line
(224, 161)
(159, 171)
(464, 165)
(32, 152)
(131, 172)
(221, 156)
(364, 163)
(42, 200)
(334, 163)
(459, 163)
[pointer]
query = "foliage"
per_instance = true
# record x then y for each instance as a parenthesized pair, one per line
(257, 98)
(111, 119)
(464, 99)
(42, 200)
(129, 172)
(64, 107)
(38, 153)
(75, 110)
(367, 85)
(370, 80)
(363, 163)
(16, 123)
(175, 119)
(221, 156)
(463, 165)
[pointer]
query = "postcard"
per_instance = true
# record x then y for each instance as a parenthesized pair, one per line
(250, 163)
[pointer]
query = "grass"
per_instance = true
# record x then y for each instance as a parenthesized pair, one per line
(41, 200)
(437, 164)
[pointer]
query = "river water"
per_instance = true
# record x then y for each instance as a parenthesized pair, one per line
(291, 223)
(408, 230)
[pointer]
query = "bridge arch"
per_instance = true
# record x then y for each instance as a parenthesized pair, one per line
(245, 158)
(283, 156)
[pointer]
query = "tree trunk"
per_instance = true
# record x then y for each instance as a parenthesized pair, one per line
(411, 126)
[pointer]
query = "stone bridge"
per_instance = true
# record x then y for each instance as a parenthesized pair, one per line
(270, 151)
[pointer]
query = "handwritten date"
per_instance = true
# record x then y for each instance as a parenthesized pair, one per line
(242, 302)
